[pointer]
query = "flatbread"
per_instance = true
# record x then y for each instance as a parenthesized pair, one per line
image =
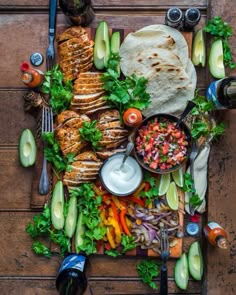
(160, 54)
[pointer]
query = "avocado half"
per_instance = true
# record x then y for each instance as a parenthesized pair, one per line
(27, 148)
(216, 59)
(199, 49)
(181, 273)
(195, 261)
(101, 51)
(57, 206)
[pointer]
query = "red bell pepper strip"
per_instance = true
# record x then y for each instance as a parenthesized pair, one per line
(147, 187)
(136, 200)
(114, 209)
(123, 222)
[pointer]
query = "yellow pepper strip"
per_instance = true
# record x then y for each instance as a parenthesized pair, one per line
(98, 191)
(110, 238)
(149, 206)
(128, 222)
(138, 221)
(115, 224)
(139, 189)
(117, 203)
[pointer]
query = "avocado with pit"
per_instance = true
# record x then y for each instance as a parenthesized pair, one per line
(195, 261)
(216, 60)
(101, 52)
(80, 230)
(27, 148)
(199, 49)
(181, 273)
(71, 218)
(57, 206)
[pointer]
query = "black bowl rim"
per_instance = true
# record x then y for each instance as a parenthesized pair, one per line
(115, 194)
(183, 126)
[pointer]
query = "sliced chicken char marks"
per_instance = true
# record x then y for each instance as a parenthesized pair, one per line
(67, 132)
(88, 93)
(85, 168)
(75, 50)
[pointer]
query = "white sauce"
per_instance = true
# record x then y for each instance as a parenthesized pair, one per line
(121, 181)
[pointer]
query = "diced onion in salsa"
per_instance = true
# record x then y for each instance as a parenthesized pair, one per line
(161, 144)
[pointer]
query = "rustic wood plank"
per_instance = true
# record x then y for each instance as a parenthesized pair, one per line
(112, 3)
(13, 118)
(34, 286)
(16, 181)
(221, 266)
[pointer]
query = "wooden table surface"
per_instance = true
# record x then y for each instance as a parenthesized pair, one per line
(23, 30)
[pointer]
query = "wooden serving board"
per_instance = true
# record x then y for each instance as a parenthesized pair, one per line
(38, 201)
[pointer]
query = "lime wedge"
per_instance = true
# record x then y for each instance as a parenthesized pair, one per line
(178, 177)
(172, 196)
(164, 184)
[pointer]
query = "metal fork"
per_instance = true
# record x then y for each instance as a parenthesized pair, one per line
(50, 53)
(165, 253)
(47, 126)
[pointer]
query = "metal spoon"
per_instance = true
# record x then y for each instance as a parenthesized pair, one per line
(188, 108)
(128, 150)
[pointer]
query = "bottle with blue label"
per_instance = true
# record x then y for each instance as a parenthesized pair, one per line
(223, 93)
(71, 279)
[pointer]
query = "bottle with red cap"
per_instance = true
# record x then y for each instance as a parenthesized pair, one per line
(31, 77)
(215, 235)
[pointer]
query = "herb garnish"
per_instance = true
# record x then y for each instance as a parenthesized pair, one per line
(90, 133)
(201, 124)
(54, 155)
(127, 93)
(152, 193)
(189, 187)
(60, 91)
(221, 30)
(147, 271)
(127, 243)
(40, 249)
(89, 205)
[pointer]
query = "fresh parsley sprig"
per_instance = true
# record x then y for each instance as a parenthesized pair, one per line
(189, 187)
(90, 133)
(60, 91)
(147, 271)
(127, 93)
(220, 29)
(127, 243)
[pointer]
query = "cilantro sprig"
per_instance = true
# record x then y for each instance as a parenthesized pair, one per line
(53, 153)
(147, 271)
(60, 91)
(189, 187)
(127, 93)
(152, 193)
(201, 125)
(90, 133)
(127, 243)
(89, 205)
(220, 29)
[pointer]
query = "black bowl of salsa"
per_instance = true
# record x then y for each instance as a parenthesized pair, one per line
(161, 147)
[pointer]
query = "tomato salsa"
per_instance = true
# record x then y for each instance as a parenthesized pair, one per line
(161, 144)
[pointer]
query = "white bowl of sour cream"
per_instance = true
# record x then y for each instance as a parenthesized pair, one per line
(121, 181)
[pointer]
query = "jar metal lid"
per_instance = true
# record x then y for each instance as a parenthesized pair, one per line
(192, 228)
(36, 59)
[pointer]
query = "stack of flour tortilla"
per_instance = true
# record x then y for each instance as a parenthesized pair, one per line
(160, 54)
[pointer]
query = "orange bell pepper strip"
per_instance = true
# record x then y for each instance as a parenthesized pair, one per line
(123, 222)
(118, 204)
(139, 189)
(114, 210)
(128, 222)
(110, 238)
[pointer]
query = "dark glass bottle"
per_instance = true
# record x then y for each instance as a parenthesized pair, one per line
(79, 12)
(71, 279)
(223, 93)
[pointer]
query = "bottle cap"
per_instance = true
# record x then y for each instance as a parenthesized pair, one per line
(24, 66)
(193, 15)
(192, 228)
(174, 14)
(36, 59)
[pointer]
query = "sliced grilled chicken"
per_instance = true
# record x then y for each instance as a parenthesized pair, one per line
(73, 73)
(88, 104)
(75, 148)
(91, 107)
(79, 57)
(109, 116)
(104, 154)
(85, 168)
(109, 125)
(71, 51)
(98, 109)
(72, 32)
(68, 115)
(86, 98)
(74, 43)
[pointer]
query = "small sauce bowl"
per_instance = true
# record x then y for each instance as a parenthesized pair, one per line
(121, 181)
